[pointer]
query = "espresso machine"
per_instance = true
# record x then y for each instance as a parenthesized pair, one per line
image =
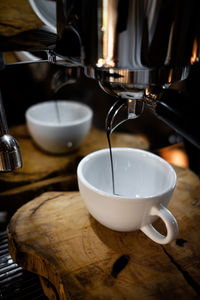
(140, 52)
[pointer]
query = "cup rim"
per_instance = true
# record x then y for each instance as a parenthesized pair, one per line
(70, 123)
(124, 197)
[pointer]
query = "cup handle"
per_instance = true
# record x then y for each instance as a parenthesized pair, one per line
(170, 223)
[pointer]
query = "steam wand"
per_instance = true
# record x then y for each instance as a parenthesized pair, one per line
(10, 157)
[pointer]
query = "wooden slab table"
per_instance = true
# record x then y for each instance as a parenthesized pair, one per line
(55, 237)
(45, 172)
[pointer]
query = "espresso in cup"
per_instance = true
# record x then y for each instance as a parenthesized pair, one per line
(144, 184)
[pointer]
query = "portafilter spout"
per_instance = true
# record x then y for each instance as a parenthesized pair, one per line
(10, 157)
(123, 109)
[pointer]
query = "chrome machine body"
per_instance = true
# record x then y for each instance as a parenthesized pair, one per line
(135, 48)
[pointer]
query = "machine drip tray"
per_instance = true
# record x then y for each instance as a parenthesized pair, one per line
(16, 283)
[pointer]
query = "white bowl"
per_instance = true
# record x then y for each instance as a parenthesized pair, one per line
(46, 11)
(59, 126)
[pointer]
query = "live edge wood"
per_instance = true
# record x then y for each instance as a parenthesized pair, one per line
(55, 237)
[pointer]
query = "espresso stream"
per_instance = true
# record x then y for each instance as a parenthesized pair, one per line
(108, 132)
(117, 114)
(122, 110)
(111, 123)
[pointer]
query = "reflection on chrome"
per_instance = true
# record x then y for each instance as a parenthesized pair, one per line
(138, 42)
(133, 44)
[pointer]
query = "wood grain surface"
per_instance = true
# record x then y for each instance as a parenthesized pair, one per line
(17, 16)
(43, 172)
(55, 237)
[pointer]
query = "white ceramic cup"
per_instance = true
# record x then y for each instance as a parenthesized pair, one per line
(144, 184)
(59, 126)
